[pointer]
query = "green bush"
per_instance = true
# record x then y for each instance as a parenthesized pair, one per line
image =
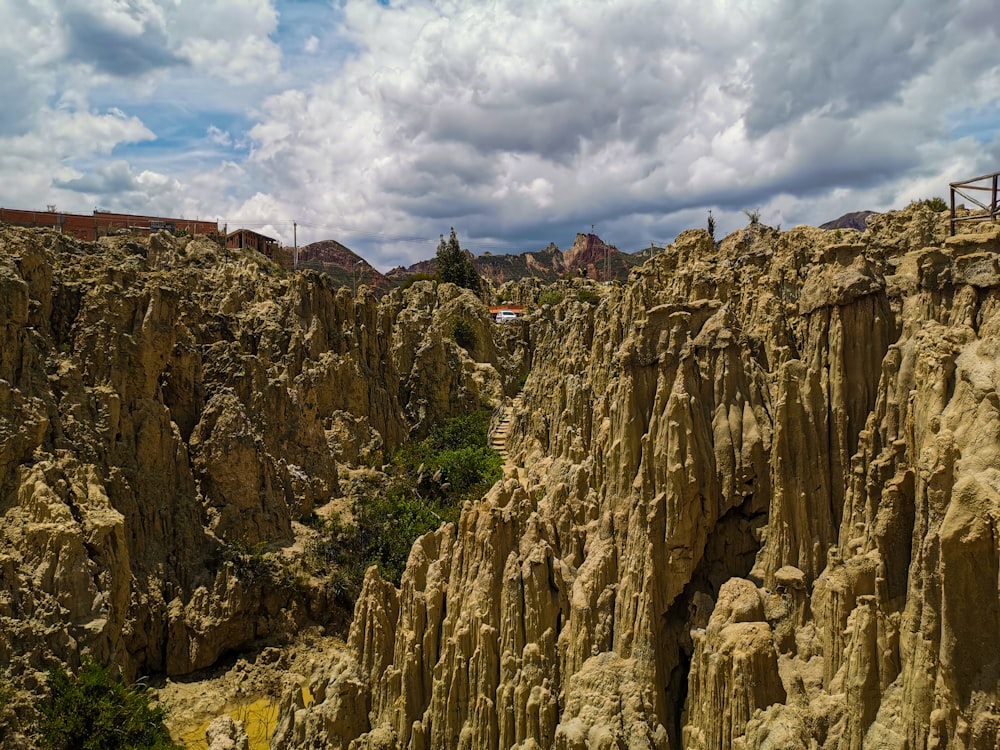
(469, 471)
(427, 483)
(469, 430)
(92, 710)
(935, 204)
(8, 717)
(248, 561)
(551, 297)
(382, 533)
(388, 525)
(411, 280)
(464, 334)
(588, 296)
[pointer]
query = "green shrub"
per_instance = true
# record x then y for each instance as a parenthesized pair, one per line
(935, 204)
(8, 717)
(469, 430)
(469, 471)
(551, 297)
(427, 483)
(388, 525)
(464, 334)
(411, 280)
(588, 296)
(248, 561)
(92, 710)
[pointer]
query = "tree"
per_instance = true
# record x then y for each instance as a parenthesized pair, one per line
(711, 225)
(455, 266)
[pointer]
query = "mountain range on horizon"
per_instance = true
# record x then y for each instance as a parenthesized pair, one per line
(588, 256)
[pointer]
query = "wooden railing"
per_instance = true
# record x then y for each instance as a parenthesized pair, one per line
(988, 208)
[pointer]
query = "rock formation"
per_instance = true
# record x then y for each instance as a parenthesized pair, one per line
(756, 507)
(752, 498)
(589, 256)
(340, 263)
(166, 408)
(225, 734)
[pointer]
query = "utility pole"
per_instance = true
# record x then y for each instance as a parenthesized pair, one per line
(295, 246)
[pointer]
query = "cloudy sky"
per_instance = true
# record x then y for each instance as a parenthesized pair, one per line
(518, 122)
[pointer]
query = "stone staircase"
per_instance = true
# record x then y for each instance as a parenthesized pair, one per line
(500, 427)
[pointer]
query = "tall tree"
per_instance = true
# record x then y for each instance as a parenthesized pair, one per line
(454, 265)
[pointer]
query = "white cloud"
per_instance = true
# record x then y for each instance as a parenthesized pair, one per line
(513, 121)
(229, 38)
(80, 133)
(219, 136)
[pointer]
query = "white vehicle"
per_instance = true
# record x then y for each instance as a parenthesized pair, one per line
(505, 315)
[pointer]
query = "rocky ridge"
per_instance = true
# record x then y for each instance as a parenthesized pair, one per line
(589, 256)
(166, 408)
(759, 509)
(340, 263)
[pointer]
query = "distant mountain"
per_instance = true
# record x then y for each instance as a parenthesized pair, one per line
(853, 220)
(342, 264)
(589, 255)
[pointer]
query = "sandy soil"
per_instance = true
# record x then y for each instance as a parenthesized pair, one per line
(248, 687)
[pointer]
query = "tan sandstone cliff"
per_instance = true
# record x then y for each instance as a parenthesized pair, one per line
(759, 509)
(164, 403)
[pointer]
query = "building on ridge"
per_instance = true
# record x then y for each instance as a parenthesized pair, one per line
(247, 239)
(89, 227)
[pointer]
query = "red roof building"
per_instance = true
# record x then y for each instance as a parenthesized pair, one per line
(246, 239)
(103, 223)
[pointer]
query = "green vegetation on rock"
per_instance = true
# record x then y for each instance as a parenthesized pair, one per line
(935, 204)
(464, 334)
(454, 265)
(425, 486)
(414, 278)
(551, 297)
(93, 710)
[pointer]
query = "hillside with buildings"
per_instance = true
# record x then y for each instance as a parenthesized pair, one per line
(588, 257)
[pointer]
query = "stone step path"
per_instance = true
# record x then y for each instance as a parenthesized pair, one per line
(501, 428)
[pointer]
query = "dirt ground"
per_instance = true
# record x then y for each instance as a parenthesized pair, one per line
(248, 687)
